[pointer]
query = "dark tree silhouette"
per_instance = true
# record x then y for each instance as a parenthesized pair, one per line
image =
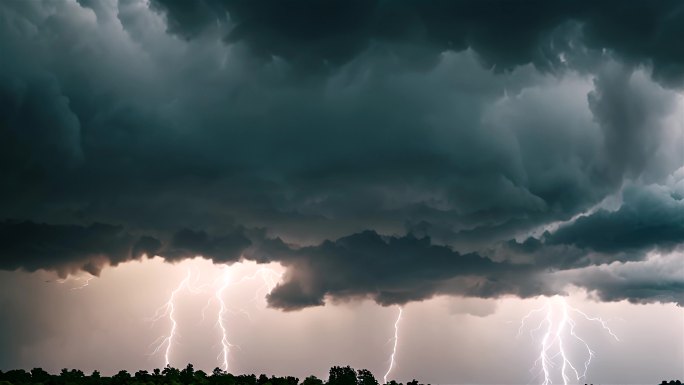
(312, 380)
(365, 377)
(338, 375)
(342, 375)
(121, 378)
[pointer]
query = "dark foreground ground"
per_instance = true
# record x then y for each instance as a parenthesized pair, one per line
(339, 375)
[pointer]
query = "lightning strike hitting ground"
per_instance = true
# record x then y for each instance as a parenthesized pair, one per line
(225, 345)
(169, 309)
(559, 330)
(270, 278)
(394, 349)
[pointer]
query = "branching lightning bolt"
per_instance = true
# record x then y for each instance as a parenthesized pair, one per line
(86, 281)
(225, 344)
(396, 342)
(166, 342)
(270, 278)
(84, 285)
(556, 333)
(169, 309)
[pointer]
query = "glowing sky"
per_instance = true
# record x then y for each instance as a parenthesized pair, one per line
(464, 161)
(107, 326)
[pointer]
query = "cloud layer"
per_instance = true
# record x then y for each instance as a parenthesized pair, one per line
(391, 150)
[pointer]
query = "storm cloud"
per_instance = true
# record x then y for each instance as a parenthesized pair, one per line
(393, 270)
(504, 34)
(69, 248)
(385, 150)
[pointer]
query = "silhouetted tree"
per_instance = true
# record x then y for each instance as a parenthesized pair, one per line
(246, 379)
(342, 375)
(263, 379)
(94, 379)
(121, 378)
(365, 377)
(38, 375)
(187, 375)
(18, 376)
(199, 378)
(171, 374)
(289, 380)
(142, 376)
(312, 380)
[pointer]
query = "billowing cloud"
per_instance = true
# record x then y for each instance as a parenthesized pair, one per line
(392, 270)
(650, 216)
(656, 279)
(504, 34)
(69, 248)
(385, 150)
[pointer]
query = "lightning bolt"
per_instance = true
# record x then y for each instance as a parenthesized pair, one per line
(84, 285)
(270, 279)
(396, 342)
(219, 286)
(169, 309)
(225, 344)
(85, 280)
(558, 331)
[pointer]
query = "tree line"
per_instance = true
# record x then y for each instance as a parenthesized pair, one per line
(338, 375)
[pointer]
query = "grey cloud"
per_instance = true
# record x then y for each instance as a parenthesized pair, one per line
(386, 269)
(227, 248)
(603, 251)
(68, 248)
(630, 111)
(391, 270)
(157, 134)
(41, 134)
(649, 217)
(659, 278)
(504, 34)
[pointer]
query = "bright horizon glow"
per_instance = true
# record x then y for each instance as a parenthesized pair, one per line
(308, 342)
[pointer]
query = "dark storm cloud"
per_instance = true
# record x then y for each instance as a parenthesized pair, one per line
(657, 279)
(650, 216)
(611, 253)
(224, 249)
(390, 269)
(629, 112)
(503, 33)
(68, 248)
(409, 126)
(608, 287)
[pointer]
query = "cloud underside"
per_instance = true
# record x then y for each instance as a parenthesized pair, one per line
(386, 150)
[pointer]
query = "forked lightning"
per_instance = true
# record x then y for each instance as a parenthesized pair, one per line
(166, 342)
(558, 329)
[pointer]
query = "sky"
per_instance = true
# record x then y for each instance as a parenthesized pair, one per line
(301, 170)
